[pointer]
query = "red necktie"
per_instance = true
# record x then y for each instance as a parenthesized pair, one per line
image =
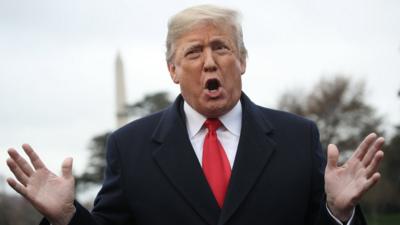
(216, 166)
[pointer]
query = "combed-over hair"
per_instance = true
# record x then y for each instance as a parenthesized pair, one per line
(185, 20)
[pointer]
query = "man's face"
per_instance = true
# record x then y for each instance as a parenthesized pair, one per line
(208, 68)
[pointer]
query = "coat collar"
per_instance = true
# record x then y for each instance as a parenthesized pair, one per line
(175, 113)
(256, 146)
(176, 158)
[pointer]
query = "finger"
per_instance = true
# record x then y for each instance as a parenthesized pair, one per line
(21, 176)
(35, 160)
(66, 168)
(365, 144)
(333, 156)
(377, 145)
(372, 181)
(17, 187)
(374, 165)
(21, 162)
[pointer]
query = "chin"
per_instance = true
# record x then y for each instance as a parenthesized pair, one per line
(214, 114)
(215, 110)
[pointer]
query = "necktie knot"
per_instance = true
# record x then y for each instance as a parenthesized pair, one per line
(212, 124)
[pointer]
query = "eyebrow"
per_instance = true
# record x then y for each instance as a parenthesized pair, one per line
(213, 42)
(219, 42)
(220, 39)
(192, 46)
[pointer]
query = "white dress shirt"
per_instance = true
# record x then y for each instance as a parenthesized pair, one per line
(228, 134)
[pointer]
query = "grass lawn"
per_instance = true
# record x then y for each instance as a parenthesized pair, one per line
(384, 219)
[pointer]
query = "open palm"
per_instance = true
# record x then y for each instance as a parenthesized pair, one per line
(346, 184)
(51, 195)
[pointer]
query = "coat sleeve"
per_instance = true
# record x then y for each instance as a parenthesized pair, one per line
(110, 205)
(318, 210)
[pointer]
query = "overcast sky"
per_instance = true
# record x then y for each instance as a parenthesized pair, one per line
(57, 61)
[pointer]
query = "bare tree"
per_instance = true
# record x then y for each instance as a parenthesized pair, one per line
(14, 210)
(339, 108)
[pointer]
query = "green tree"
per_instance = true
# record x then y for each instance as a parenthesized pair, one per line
(385, 197)
(149, 104)
(94, 171)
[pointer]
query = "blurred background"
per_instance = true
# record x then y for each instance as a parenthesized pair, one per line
(336, 62)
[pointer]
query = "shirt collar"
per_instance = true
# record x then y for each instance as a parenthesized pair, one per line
(232, 120)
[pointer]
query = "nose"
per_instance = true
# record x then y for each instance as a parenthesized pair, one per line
(209, 62)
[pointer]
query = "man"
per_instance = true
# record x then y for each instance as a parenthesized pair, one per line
(213, 157)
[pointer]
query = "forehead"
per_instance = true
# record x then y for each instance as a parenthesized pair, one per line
(206, 32)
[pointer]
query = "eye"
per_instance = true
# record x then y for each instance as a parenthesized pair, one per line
(221, 48)
(193, 53)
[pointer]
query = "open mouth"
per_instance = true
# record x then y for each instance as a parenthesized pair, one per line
(212, 85)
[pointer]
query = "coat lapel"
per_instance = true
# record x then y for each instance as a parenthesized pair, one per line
(254, 150)
(177, 160)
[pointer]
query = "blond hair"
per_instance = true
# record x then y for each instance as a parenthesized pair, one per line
(185, 20)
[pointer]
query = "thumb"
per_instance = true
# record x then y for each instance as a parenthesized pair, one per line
(66, 168)
(333, 156)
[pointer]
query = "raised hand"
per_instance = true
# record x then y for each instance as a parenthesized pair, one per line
(345, 185)
(51, 195)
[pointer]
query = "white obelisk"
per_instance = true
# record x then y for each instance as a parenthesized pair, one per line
(120, 95)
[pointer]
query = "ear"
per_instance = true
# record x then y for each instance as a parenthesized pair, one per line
(242, 66)
(172, 73)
